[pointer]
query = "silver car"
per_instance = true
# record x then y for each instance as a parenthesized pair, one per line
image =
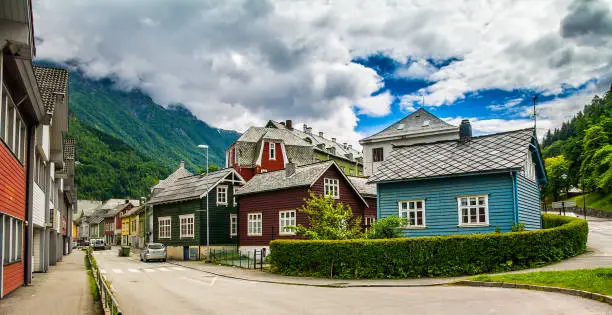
(153, 251)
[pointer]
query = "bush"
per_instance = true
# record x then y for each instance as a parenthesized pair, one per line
(432, 256)
(389, 227)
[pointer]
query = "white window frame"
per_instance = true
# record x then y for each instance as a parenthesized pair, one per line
(254, 224)
(331, 185)
(159, 227)
(14, 242)
(469, 207)
(529, 168)
(272, 150)
(415, 210)
(222, 191)
(184, 222)
(234, 196)
(284, 221)
(233, 224)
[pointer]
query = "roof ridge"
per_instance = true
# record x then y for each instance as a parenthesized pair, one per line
(457, 140)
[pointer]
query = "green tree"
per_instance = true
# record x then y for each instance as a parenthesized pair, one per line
(211, 168)
(389, 227)
(328, 220)
(555, 168)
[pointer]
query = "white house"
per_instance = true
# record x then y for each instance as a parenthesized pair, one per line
(418, 127)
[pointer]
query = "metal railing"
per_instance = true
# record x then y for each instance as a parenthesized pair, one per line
(253, 259)
(107, 298)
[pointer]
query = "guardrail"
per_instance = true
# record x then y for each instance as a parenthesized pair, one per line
(109, 302)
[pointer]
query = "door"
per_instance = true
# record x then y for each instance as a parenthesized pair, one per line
(185, 252)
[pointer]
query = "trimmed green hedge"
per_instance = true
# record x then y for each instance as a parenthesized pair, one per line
(432, 256)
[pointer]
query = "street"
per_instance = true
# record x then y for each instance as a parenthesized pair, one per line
(164, 288)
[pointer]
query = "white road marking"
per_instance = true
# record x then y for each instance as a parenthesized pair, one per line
(163, 269)
(213, 281)
(134, 270)
(117, 271)
(178, 268)
(149, 270)
(201, 281)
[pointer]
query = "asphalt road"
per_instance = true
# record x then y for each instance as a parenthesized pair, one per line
(164, 288)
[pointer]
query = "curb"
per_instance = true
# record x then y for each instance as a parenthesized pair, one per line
(583, 294)
(330, 285)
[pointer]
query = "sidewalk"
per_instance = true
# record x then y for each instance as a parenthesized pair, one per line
(63, 290)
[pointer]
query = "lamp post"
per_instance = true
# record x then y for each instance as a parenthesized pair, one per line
(144, 229)
(564, 177)
(204, 146)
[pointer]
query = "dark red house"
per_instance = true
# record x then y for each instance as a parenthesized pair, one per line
(269, 201)
(112, 223)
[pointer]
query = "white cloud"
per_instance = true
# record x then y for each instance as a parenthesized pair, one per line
(243, 61)
(507, 106)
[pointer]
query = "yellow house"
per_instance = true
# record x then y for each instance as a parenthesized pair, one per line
(125, 230)
(129, 227)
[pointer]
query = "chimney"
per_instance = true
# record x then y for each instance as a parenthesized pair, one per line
(321, 134)
(309, 130)
(344, 145)
(350, 146)
(289, 124)
(127, 201)
(289, 169)
(305, 127)
(465, 131)
(182, 165)
(334, 140)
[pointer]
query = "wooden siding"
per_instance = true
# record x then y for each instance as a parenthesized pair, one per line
(441, 209)
(270, 203)
(272, 165)
(345, 166)
(13, 277)
(12, 184)
(219, 232)
(529, 203)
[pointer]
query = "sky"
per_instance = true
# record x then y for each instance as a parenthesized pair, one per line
(347, 68)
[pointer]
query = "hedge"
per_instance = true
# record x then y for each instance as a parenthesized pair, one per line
(454, 255)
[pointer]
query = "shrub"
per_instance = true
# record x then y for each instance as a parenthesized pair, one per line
(388, 227)
(328, 219)
(431, 256)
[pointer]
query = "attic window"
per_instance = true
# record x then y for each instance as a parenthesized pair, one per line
(400, 126)
(426, 123)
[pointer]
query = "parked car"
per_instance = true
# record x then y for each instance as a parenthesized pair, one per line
(97, 243)
(153, 251)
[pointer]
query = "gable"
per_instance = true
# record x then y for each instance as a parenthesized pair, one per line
(419, 122)
(346, 186)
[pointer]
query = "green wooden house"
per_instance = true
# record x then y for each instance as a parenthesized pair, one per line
(179, 213)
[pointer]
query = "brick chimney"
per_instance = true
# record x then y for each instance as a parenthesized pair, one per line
(321, 134)
(182, 165)
(289, 124)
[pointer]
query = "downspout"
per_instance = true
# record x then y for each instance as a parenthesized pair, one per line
(29, 206)
(515, 196)
(377, 201)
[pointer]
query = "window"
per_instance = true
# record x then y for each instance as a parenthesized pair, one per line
(133, 226)
(164, 227)
(186, 225)
(330, 187)
(473, 210)
(287, 218)
(254, 224)
(221, 195)
(414, 210)
(529, 167)
(234, 197)
(12, 238)
(272, 149)
(12, 126)
(368, 222)
(377, 154)
(233, 224)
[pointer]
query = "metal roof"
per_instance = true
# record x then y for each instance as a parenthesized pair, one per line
(495, 152)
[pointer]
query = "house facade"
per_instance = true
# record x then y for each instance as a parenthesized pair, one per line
(269, 202)
(418, 127)
(471, 185)
(270, 148)
(179, 213)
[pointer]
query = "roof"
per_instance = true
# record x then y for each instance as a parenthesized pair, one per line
(114, 211)
(495, 152)
(363, 187)
(191, 187)
(421, 121)
(51, 81)
(180, 172)
(255, 134)
(97, 216)
(133, 211)
(88, 206)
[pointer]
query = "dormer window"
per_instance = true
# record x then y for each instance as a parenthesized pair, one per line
(272, 150)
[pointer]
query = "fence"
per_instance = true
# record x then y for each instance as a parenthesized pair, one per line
(109, 302)
(253, 259)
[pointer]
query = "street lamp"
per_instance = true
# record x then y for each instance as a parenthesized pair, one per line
(564, 177)
(204, 146)
(144, 232)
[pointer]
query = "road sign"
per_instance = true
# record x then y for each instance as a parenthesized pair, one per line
(564, 204)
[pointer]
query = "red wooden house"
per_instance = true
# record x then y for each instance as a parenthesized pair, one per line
(268, 203)
(112, 223)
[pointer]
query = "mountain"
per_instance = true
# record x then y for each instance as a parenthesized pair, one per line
(127, 142)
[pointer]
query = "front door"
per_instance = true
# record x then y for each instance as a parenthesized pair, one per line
(185, 252)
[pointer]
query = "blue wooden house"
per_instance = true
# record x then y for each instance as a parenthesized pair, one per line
(469, 185)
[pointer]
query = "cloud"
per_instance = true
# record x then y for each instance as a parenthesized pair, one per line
(419, 69)
(507, 106)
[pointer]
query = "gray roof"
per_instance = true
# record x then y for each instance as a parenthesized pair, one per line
(255, 134)
(180, 172)
(97, 216)
(249, 146)
(421, 121)
(114, 211)
(363, 187)
(51, 81)
(304, 175)
(191, 187)
(133, 211)
(495, 152)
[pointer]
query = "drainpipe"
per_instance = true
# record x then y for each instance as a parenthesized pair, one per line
(515, 196)
(29, 206)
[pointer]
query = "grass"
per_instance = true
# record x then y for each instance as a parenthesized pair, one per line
(593, 280)
(93, 287)
(595, 200)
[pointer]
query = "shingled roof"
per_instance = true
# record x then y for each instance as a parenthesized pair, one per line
(51, 82)
(191, 187)
(419, 122)
(495, 152)
(180, 172)
(363, 187)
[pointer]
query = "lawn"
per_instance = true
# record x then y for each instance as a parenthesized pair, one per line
(593, 280)
(595, 200)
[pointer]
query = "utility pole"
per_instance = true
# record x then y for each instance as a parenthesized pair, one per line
(204, 146)
(535, 116)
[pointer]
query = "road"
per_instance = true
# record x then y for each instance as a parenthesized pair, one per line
(164, 288)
